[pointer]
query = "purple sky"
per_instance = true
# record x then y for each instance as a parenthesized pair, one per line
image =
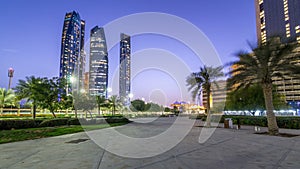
(30, 35)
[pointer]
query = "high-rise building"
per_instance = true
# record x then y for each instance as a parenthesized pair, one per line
(98, 75)
(218, 94)
(278, 18)
(82, 58)
(72, 58)
(125, 70)
(86, 81)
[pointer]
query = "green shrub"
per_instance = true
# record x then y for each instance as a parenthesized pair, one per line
(73, 121)
(54, 122)
(198, 116)
(282, 122)
(18, 124)
(117, 120)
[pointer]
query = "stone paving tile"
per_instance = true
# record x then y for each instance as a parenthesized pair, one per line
(227, 148)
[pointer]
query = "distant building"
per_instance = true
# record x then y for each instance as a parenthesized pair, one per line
(281, 18)
(184, 107)
(86, 81)
(125, 69)
(218, 95)
(98, 75)
(72, 58)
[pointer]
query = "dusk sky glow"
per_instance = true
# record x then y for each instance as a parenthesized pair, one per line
(31, 30)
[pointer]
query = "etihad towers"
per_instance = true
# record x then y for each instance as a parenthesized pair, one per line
(125, 68)
(98, 74)
(72, 58)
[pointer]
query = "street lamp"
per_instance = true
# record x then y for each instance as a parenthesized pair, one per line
(70, 82)
(10, 76)
(72, 79)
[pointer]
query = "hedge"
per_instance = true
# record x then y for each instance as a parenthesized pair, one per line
(19, 124)
(30, 123)
(287, 122)
(54, 122)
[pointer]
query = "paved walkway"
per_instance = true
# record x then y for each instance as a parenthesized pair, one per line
(226, 148)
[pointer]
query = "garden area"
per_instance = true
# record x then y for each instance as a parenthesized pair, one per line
(19, 129)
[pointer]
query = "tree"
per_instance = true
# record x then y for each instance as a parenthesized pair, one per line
(100, 100)
(33, 90)
(84, 102)
(202, 80)
(252, 98)
(115, 102)
(138, 105)
(153, 107)
(53, 99)
(167, 109)
(7, 98)
(266, 62)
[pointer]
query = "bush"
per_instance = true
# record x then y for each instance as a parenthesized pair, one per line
(19, 124)
(73, 121)
(117, 120)
(30, 123)
(282, 122)
(54, 122)
(198, 116)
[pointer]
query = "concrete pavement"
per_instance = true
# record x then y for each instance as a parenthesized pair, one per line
(227, 148)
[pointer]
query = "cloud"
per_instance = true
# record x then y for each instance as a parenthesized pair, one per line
(10, 50)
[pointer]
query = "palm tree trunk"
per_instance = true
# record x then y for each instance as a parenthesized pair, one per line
(34, 111)
(75, 110)
(208, 123)
(114, 109)
(99, 108)
(1, 110)
(272, 123)
(53, 114)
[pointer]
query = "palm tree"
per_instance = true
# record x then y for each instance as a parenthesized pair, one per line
(100, 101)
(32, 90)
(266, 62)
(7, 98)
(115, 102)
(203, 80)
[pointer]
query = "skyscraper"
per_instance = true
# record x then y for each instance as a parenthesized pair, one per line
(98, 75)
(278, 18)
(72, 58)
(125, 70)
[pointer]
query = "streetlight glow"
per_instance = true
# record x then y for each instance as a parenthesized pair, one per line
(130, 95)
(72, 79)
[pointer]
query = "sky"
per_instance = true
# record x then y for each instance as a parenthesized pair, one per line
(30, 39)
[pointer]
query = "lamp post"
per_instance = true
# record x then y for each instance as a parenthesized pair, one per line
(10, 76)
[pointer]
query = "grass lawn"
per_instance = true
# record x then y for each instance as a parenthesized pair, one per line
(7, 136)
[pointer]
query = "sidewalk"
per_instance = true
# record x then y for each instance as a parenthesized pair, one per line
(227, 148)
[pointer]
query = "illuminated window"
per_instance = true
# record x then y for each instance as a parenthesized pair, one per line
(288, 30)
(297, 28)
(286, 10)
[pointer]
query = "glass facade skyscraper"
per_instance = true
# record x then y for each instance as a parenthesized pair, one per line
(72, 58)
(98, 75)
(278, 18)
(125, 69)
